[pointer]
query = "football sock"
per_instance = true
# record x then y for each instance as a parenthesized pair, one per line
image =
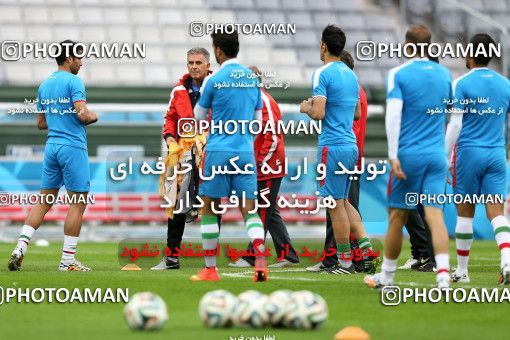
(69, 249)
(443, 266)
(388, 269)
(502, 234)
(210, 234)
(24, 238)
(463, 241)
(344, 254)
(255, 230)
(364, 244)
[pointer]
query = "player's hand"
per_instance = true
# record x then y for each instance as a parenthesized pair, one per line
(396, 169)
(306, 106)
(170, 140)
(450, 169)
(91, 118)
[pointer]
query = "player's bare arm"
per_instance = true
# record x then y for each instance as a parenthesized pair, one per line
(396, 169)
(357, 112)
(314, 107)
(41, 122)
(85, 116)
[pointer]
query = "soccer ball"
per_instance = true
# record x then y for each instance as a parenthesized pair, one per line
(251, 310)
(216, 308)
(146, 311)
(308, 310)
(278, 306)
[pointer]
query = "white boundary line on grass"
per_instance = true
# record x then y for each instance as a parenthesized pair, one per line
(245, 274)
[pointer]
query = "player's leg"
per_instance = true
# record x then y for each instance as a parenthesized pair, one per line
(399, 206)
(502, 234)
(341, 229)
(72, 228)
(210, 230)
(469, 167)
(280, 236)
(175, 230)
(329, 242)
(463, 241)
(421, 243)
(211, 192)
(358, 261)
(75, 168)
(51, 181)
(274, 224)
(32, 223)
(435, 220)
(265, 216)
(434, 183)
(255, 230)
(337, 187)
(210, 234)
(392, 248)
(494, 184)
(370, 259)
(246, 184)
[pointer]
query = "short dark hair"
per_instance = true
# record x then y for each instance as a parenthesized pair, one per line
(227, 42)
(485, 40)
(65, 47)
(418, 34)
(334, 38)
(347, 59)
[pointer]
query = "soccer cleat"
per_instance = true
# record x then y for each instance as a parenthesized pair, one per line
(428, 266)
(282, 263)
(459, 277)
(260, 274)
(338, 269)
(15, 260)
(316, 268)
(167, 263)
(206, 274)
(421, 261)
(76, 266)
(359, 266)
(375, 281)
(409, 263)
(504, 276)
(240, 263)
(371, 263)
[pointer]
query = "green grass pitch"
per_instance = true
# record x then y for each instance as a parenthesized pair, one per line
(349, 301)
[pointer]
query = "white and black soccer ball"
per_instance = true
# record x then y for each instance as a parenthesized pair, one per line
(278, 306)
(308, 311)
(216, 308)
(146, 311)
(251, 310)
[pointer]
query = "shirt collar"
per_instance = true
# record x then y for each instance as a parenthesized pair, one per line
(230, 61)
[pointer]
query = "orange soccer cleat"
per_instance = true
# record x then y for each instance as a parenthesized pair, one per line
(260, 269)
(206, 274)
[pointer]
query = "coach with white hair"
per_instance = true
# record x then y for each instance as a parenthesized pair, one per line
(183, 98)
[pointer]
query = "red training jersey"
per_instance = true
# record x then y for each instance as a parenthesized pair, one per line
(269, 147)
(359, 126)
